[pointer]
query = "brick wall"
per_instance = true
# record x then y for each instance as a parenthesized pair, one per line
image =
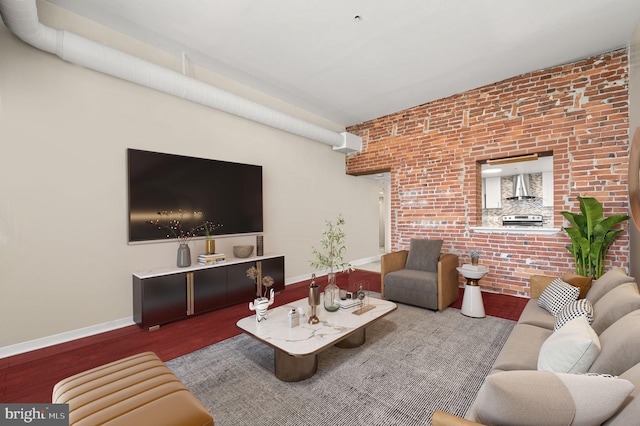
(579, 111)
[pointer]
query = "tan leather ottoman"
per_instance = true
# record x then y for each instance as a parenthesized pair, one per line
(138, 390)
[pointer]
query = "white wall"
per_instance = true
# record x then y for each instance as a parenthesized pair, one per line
(64, 259)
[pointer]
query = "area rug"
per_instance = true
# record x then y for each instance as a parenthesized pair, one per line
(414, 362)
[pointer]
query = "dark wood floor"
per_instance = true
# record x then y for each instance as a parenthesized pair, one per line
(29, 377)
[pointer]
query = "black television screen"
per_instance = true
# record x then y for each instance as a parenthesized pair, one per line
(218, 192)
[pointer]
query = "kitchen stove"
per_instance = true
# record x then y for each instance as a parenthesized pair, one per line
(522, 220)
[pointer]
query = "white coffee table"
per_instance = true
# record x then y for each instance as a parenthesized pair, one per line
(296, 349)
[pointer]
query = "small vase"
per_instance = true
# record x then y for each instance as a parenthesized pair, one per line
(331, 294)
(474, 261)
(210, 245)
(184, 255)
(260, 305)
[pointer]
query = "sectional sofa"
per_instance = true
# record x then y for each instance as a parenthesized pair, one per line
(567, 361)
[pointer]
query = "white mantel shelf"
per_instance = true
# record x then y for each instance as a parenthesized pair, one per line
(515, 230)
(157, 272)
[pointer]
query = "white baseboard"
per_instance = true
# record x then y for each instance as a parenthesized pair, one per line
(67, 336)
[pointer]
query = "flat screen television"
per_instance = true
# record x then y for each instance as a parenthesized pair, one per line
(218, 192)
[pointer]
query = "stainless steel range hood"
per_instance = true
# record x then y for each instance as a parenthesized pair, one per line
(521, 188)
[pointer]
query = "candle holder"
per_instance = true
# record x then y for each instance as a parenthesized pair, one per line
(314, 299)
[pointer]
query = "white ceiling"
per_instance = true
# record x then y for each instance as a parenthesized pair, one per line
(318, 56)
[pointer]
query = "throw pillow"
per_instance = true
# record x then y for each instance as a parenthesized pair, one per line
(423, 255)
(612, 278)
(530, 397)
(573, 310)
(583, 283)
(557, 295)
(571, 349)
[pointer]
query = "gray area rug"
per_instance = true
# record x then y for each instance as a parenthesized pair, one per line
(414, 362)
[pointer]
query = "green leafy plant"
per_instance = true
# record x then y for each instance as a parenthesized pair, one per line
(331, 255)
(591, 236)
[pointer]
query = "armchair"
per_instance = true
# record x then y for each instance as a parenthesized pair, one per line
(420, 276)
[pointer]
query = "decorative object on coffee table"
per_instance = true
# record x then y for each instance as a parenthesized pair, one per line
(263, 284)
(331, 294)
(330, 257)
(314, 299)
(261, 304)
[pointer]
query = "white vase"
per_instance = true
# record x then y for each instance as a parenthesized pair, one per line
(260, 305)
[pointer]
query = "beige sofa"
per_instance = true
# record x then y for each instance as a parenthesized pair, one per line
(517, 392)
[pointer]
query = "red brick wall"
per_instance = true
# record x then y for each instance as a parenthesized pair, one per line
(579, 111)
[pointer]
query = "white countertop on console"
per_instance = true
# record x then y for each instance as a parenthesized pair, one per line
(160, 271)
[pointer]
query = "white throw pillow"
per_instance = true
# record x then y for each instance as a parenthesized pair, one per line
(556, 296)
(571, 349)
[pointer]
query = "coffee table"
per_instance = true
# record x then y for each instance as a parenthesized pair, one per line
(296, 349)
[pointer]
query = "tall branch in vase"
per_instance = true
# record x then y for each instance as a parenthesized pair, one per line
(330, 257)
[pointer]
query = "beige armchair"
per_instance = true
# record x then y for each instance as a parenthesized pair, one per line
(420, 276)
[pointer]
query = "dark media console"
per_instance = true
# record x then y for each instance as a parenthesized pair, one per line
(165, 295)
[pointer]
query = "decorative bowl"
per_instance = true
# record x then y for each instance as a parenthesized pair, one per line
(242, 251)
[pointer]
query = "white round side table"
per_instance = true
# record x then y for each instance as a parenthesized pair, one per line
(472, 305)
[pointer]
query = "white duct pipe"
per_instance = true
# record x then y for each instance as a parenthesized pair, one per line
(21, 17)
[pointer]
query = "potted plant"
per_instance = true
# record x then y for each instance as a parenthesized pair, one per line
(591, 235)
(330, 257)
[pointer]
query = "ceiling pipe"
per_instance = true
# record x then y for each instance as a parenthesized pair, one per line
(21, 17)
